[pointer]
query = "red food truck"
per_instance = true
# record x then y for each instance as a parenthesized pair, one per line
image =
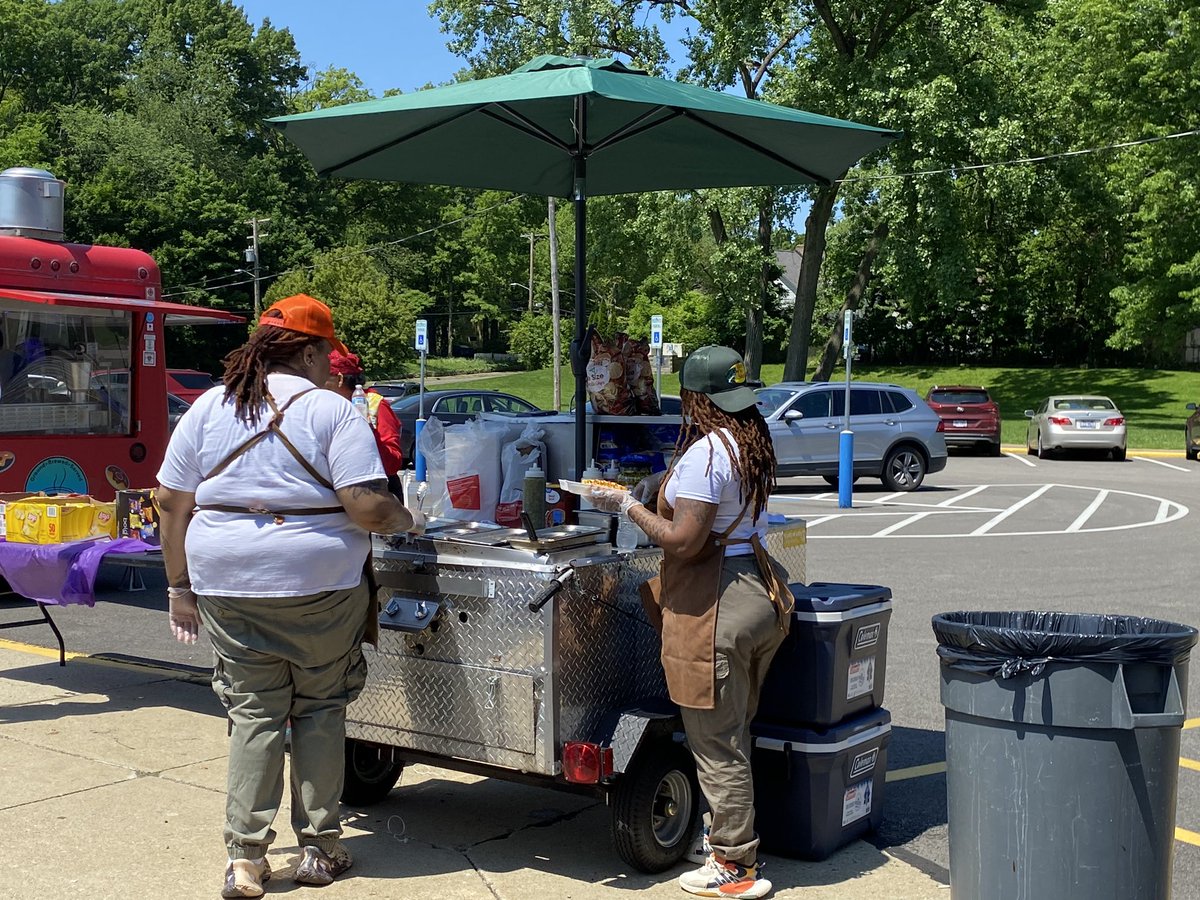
(83, 396)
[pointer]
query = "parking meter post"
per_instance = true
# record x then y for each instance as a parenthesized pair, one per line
(418, 456)
(845, 469)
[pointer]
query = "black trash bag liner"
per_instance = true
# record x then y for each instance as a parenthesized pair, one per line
(1008, 643)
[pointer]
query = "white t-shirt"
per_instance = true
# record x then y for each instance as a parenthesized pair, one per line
(692, 480)
(241, 555)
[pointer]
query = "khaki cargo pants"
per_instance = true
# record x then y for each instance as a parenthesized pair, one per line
(748, 634)
(281, 658)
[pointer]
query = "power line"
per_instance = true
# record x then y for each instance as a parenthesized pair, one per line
(206, 285)
(1025, 160)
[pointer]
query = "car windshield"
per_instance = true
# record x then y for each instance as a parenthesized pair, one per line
(1083, 403)
(194, 380)
(410, 403)
(770, 399)
(952, 396)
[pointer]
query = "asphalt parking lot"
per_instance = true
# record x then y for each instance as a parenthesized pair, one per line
(1076, 533)
(1009, 533)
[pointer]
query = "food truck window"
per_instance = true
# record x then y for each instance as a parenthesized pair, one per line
(64, 370)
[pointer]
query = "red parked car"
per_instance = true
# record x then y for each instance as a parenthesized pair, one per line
(188, 384)
(970, 417)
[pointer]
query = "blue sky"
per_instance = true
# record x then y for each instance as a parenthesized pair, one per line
(387, 43)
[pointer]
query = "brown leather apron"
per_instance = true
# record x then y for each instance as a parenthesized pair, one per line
(683, 601)
(371, 635)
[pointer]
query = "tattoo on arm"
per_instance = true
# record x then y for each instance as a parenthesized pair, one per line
(368, 489)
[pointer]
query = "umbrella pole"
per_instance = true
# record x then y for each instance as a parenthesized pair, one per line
(581, 349)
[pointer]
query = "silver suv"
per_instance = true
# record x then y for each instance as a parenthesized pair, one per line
(897, 437)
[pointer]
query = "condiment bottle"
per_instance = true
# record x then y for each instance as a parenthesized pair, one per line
(533, 495)
(590, 473)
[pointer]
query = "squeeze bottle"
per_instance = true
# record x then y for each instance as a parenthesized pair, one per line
(533, 495)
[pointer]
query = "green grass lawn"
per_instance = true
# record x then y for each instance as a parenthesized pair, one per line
(1153, 400)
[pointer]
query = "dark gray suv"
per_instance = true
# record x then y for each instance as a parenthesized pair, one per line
(897, 437)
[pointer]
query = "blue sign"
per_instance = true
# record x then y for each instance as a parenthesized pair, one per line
(57, 475)
(656, 331)
(422, 336)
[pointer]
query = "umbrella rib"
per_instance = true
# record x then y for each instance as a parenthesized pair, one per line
(390, 144)
(525, 126)
(770, 154)
(636, 127)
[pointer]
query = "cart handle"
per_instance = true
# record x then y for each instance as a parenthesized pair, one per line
(550, 590)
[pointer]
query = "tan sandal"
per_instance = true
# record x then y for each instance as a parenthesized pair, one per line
(245, 878)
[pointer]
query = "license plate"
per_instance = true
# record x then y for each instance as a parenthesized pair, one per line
(1087, 423)
(960, 423)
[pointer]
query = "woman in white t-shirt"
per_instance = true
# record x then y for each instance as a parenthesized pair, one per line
(268, 494)
(724, 603)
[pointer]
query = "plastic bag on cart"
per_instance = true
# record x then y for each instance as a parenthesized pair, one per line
(432, 444)
(472, 471)
(516, 459)
(606, 384)
(639, 374)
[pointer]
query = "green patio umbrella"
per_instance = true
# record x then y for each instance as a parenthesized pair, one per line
(573, 128)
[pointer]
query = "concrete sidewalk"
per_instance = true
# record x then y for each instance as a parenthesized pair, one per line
(113, 786)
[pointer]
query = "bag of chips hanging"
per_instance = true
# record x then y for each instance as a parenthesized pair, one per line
(606, 385)
(639, 375)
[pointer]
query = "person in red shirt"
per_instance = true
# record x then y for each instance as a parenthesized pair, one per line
(345, 374)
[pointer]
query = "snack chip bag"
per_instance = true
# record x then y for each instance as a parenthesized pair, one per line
(639, 375)
(606, 385)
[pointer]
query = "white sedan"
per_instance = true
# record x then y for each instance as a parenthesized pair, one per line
(1075, 422)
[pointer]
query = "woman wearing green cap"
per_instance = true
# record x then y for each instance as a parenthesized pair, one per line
(725, 604)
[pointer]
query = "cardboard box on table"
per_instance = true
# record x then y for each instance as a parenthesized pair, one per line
(137, 516)
(57, 520)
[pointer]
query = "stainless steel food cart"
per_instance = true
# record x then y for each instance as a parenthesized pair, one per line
(531, 661)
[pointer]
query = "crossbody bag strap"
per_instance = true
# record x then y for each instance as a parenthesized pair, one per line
(273, 428)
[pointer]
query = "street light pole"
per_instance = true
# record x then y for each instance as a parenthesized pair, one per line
(533, 236)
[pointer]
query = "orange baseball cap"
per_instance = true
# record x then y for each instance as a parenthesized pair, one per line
(304, 314)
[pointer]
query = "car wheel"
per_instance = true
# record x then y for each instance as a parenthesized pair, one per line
(903, 469)
(1190, 453)
(1118, 453)
(654, 808)
(1042, 451)
(370, 776)
(994, 449)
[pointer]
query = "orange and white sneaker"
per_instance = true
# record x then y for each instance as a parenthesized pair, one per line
(718, 878)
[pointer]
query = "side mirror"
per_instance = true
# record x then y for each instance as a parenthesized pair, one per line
(1029, 413)
(793, 415)
(1191, 406)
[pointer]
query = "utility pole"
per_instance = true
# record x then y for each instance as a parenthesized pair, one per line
(533, 236)
(252, 258)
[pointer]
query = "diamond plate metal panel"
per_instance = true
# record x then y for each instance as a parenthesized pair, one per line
(490, 681)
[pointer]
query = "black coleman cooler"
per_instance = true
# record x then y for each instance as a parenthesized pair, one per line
(831, 665)
(815, 791)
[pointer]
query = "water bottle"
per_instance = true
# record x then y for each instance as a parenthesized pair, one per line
(359, 399)
(533, 495)
(628, 534)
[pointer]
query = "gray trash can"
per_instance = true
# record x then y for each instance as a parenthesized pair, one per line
(1062, 753)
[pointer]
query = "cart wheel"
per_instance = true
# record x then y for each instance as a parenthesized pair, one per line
(654, 807)
(370, 776)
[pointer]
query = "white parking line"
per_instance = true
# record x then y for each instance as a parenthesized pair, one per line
(1087, 513)
(886, 497)
(815, 522)
(1020, 504)
(1164, 510)
(1021, 459)
(898, 525)
(970, 493)
(1159, 462)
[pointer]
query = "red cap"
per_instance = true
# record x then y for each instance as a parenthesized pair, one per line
(344, 364)
(304, 314)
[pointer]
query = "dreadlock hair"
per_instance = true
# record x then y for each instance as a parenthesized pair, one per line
(246, 367)
(752, 454)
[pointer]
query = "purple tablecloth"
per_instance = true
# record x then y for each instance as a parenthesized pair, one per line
(60, 573)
